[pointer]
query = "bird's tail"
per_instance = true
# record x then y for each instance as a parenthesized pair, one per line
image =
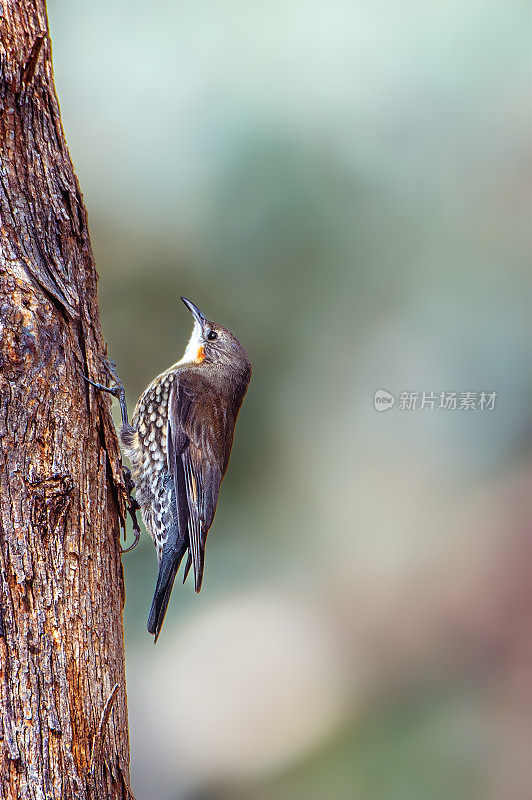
(168, 566)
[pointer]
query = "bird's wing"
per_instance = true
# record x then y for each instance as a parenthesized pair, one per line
(197, 444)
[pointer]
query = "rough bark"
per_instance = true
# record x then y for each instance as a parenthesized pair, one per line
(61, 490)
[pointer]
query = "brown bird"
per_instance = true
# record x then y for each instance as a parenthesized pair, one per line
(179, 442)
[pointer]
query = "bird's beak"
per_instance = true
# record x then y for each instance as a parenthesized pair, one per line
(194, 310)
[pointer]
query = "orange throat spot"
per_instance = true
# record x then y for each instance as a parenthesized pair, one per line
(200, 355)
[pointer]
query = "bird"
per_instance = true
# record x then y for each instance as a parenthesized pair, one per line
(178, 443)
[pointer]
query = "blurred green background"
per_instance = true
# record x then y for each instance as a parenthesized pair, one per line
(345, 185)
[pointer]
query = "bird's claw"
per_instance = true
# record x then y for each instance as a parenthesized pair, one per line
(133, 507)
(117, 390)
(136, 530)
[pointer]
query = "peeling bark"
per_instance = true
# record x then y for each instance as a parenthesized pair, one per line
(63, 731)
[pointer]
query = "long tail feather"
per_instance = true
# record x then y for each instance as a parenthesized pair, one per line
(187, 566)
(170, 561)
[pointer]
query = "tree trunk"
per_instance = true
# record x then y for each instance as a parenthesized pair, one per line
(62, 680)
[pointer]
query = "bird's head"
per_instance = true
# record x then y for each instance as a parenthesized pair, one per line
(213, 345)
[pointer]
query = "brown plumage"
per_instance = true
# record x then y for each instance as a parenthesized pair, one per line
(179, 443)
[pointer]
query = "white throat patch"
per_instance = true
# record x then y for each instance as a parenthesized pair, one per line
(194, 343)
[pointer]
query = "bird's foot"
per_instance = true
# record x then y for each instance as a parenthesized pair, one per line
(133, 507)
(115, 389)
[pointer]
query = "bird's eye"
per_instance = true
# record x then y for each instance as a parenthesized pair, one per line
(212, 335)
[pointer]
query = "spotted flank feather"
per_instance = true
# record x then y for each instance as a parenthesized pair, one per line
(147, 453)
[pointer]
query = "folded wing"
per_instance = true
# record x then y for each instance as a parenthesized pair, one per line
(199, 438)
